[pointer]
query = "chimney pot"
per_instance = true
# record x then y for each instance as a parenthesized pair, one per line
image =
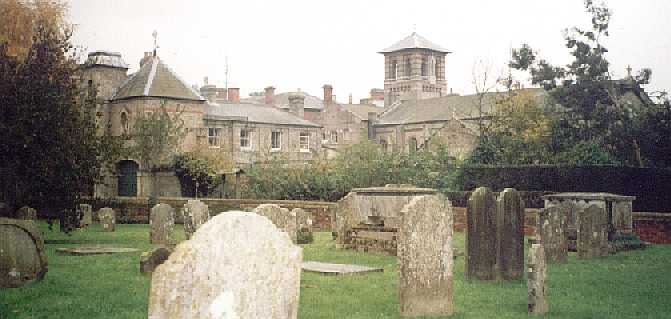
(270, 95)
(328, 94)
(234, 95)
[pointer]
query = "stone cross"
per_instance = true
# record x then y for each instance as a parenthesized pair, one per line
(107, 218)
(592, 232)
(284, 219)
(425, 257)
(481, 231)
(238, 265)
(162, 225)
(537, 280)
(510, 235)
(196, 213)
(552, 231)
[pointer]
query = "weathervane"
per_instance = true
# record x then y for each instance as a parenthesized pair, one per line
(155, 35)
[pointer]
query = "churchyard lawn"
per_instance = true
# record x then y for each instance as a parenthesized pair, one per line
(627, 285)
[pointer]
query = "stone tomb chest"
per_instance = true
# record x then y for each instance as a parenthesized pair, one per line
(367, 219)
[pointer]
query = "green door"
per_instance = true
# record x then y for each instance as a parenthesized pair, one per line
(127, 182)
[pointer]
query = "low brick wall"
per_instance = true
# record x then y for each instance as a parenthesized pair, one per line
(135, 210)
(653, 227)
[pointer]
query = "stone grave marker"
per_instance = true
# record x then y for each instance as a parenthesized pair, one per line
(304, 225)
(107, 218)
(26, 213)
(553, 233)
(481, 243)
(284, 219)
(86, 215)
(425, 257)
(237, 265)
(537, 285)
(510, 235)
(196, 213)
(22, 256)
(592, 232)
(149, 260)
(162, 225)
(344, 217)
(337, 269)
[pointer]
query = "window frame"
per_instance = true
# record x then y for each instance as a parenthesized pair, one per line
(301, 144)
(273, 139)
(247, 137)
(216, 137)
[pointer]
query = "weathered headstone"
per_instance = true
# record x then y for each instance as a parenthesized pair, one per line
(22, 256)
(481, 241)
(553, 232)
(107, 218)
(592, 232)
(344, 219)
(26, 213)
(425, 257)
(237, 265)
(537, 280)
(162, 225)
(86, 215)
(196, 213)
(284, 219)
(510, 235)
(304, 226)
(149, 260)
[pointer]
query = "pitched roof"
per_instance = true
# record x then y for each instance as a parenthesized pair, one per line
(156, 79)
(361, 110)
(249, 112)
(414, 41)
(282, 101)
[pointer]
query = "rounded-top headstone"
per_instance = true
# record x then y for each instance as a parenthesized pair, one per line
(26, 213)
(22, 257)
(196, 213)
(162, 224)
(284, 219)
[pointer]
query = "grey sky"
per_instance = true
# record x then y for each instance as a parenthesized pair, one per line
(306, 44)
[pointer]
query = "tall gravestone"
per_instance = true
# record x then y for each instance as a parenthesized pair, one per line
(238, 265)
(553, 232)
(284, 219)
(345, 217)
(425, 257)
(85, 215)
(537, 280)
(26, 213)
(162, 225)
(107, 218)
(510, 235)
(481, 236)
(22, 256)
(196, 213)
(592, 232)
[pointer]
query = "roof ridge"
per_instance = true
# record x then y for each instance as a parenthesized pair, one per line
(150, 78)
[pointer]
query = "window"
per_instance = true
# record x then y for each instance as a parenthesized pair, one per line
(275, 140)
(334, 136)
(384, 144)
(424, 66)
(408, 67)
(394, 70)
(213, 135)
(412, 145)
(304, 142)
(124, 124)
(245, 139)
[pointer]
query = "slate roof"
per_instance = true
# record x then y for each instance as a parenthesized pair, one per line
(444, 108)
(414, 41)
(156, 79)
(361, 110)
(105, 58)
(282, 101)
(249, 112)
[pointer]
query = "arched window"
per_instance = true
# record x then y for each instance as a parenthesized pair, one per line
(124, 124)
(127, 178)
(412, 145)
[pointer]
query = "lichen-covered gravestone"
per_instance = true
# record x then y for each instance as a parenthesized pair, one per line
(107, 218)
(304, 226)
(22, 256)
(592, 232)
(237, 265)
(149, 260)
(284, 219)
(196, 213)
(26, 213)
(537, 285)
(425, 257)
(162, 225)
(510, 235)
(344, 219)
(552, 232)
(481, 241)
(86, 215)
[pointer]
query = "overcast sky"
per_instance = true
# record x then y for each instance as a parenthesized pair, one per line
(306, 44)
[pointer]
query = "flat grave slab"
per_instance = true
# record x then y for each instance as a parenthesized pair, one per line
(93, 250)
(336, 269)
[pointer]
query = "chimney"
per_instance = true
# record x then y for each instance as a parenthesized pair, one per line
(328, 94)
(350, 98)
(205, 81)
(234, 95)
(297, 104)
(147, 57)
(270, 95)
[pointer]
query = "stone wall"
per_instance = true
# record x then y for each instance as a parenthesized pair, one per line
(653, 227)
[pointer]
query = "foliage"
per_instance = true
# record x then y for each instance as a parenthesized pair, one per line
(199, 169)
(586, 153)
(23, 19)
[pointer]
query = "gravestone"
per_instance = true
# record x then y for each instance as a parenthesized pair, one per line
(238, 265)
(22, 256)
(537, 280)
(107, 218)
(304, 225)
(162, 225)
(196, 213)
(26, 213)
(592, 232)
(510, 235)
(284, 219)
(553, 232)
(149, 260)
(425, 257)
(86, 215)
(481, 241)
(345, 216)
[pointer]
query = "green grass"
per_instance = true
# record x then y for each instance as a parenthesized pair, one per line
(632, 284)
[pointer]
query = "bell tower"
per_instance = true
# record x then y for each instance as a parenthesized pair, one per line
(414, 69)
